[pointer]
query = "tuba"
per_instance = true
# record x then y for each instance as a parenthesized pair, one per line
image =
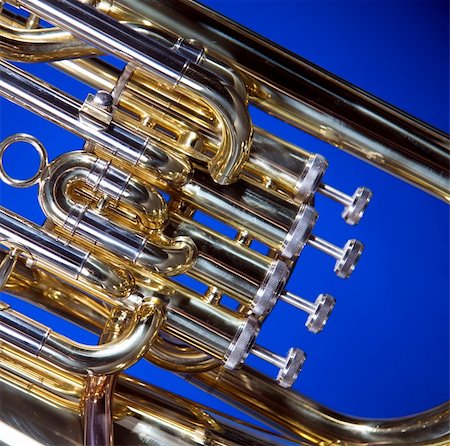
(177, 234)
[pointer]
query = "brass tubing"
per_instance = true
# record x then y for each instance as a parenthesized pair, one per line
(142, 413)
(242, 273)
(40, 45)
(66, 260)
(213, 329)
(280, 225)
(273, 164)
(305, 95)
(47, 292)
(114, 356)
(25, 90)
(294, 414)
(111, 36)
(97, 398)
(164, 256)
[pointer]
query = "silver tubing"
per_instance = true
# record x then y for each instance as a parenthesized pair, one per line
(111, 357)
(63, 110)
(313, 99)
(168, 257)
(111, 36)
(70, 262)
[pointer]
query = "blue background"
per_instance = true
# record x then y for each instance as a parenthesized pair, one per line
(385, 350)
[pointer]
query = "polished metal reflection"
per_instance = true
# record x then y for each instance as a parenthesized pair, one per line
(167, 138)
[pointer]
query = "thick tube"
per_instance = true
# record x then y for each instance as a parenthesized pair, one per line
(292, 413)
(112, 357)
(303, 94)
(109, 35)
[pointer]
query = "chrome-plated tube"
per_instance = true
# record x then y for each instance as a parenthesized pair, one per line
(164, 256)
(112, 357)
(109, 35)
(60, 257)
(23, 89)
(313, 99)
(294, 414)
(52, 45)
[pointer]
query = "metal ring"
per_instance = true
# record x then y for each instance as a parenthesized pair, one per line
(40, 149)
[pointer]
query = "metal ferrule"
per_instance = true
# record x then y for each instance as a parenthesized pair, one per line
(69, 262)
(112, 357)
(242, 273)
(163, 256)
(64, 110)
(109, 35)
(193, 51)
(282, 226)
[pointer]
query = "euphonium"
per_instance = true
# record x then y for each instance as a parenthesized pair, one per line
(172, 231)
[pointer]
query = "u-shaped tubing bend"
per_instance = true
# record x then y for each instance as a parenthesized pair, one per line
(111, 36)
(82, 359)
(165, 256)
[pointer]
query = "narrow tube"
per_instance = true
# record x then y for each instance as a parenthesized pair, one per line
(31, 93)
(68, 261)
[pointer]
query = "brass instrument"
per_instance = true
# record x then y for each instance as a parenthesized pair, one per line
(155, 224)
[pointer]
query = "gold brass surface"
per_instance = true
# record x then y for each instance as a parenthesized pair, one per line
(168, 136)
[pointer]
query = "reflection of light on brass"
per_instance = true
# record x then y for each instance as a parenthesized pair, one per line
(167, 139)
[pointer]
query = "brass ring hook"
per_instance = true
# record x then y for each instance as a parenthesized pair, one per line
(40, 149)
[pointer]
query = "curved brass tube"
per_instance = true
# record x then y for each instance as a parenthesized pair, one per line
(143, 414)
(53, 44)
(144, 202)
(286, 410)
(107, 358)
(41, 45)
(180, 358)
(129, 45)
(307, 96)
(58, 107)
(155, 253)
(294, 414)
